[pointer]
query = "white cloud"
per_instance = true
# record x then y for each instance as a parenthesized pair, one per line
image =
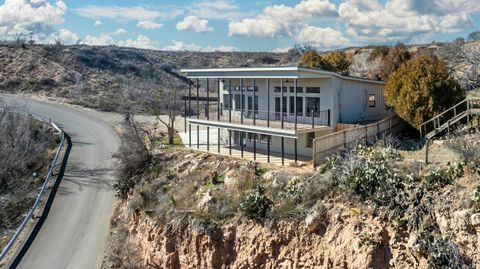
(282, 20)
(124, 13)
(282, 50)
(100, 40)
(217, 9)
(119, 31)
(182, 46)
(193, 23)
(98, 23)
(142, 42)
(37, 16)
(64, 36)
(322, 37)
(150, 25)
(405, 20)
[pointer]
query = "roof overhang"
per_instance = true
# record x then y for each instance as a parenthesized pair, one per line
(286, 72)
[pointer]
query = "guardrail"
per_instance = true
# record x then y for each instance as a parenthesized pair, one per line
(42, 191)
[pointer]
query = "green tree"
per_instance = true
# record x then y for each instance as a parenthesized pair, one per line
(314, 60)
(338, 61)
(420, 89)
(335, 61)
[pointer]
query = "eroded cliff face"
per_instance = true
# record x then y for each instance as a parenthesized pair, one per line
(343, 239)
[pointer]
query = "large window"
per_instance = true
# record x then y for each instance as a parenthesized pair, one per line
(312, 90)
(299, 89)
(238, 102)
(250, 88)
(260, 138)
(226, 101)
(299, 105)
(277, 89)
(313, 104)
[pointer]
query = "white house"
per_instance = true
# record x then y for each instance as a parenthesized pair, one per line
(279, 109)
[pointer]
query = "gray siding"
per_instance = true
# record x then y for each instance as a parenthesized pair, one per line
(354, 106)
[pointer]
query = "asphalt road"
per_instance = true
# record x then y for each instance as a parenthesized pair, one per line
(74, 233)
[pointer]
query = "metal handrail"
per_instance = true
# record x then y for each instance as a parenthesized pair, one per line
(42, 190)
(436, 120)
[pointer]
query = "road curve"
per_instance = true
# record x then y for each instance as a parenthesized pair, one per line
(73, 235)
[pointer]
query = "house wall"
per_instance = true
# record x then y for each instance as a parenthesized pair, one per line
(353, 101)
(325, 84)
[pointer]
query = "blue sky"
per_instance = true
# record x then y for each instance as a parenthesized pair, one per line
(228, 25)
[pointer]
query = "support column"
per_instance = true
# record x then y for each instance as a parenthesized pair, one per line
(241, 143)
(254, 94)
(208, 117)
(185, 115)
(296, 156)
(268, 109)
(281, 105)
(283, 150)
(255, 147)
(189, 110)
(242, 102)
(295, 110)
(269, 140)
(230, 100)
(198, 113)
(230, 142)
(219, 110)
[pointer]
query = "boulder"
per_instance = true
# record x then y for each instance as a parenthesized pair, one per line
(475, 220)
(206, 202)
(313, 221)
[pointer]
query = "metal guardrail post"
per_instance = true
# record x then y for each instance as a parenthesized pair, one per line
(42, 191)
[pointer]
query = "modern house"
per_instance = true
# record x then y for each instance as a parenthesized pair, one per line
(278, 109)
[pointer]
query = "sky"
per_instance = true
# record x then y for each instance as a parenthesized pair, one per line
(232, 25)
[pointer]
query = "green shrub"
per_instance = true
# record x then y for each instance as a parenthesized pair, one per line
(476, 197)
(335, 61)
(256, 205)
(366, 239)
(439, 178)
(420, 89)
(368, 173)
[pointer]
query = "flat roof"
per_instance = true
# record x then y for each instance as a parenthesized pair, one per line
(269, 72)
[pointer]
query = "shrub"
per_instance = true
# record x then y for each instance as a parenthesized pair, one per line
(256, 205)
(440, 252)
(476, 197)
(335, 61)
(420, 89)
(439, 178)
(395, 57)
(466, 147)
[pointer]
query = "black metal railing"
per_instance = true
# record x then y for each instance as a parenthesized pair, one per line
(266, 118)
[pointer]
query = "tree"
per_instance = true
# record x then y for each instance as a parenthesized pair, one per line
(397, 55)
(463, 61)
(474, 36)
(314, 60)
(335, 61)
(420, 89)
(165, 105)
(338, 61)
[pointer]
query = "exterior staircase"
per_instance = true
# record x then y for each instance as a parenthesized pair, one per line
(445, 120)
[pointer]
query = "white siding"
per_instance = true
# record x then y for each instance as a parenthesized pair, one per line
(354, 106)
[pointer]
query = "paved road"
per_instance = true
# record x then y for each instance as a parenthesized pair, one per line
(73, 235)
